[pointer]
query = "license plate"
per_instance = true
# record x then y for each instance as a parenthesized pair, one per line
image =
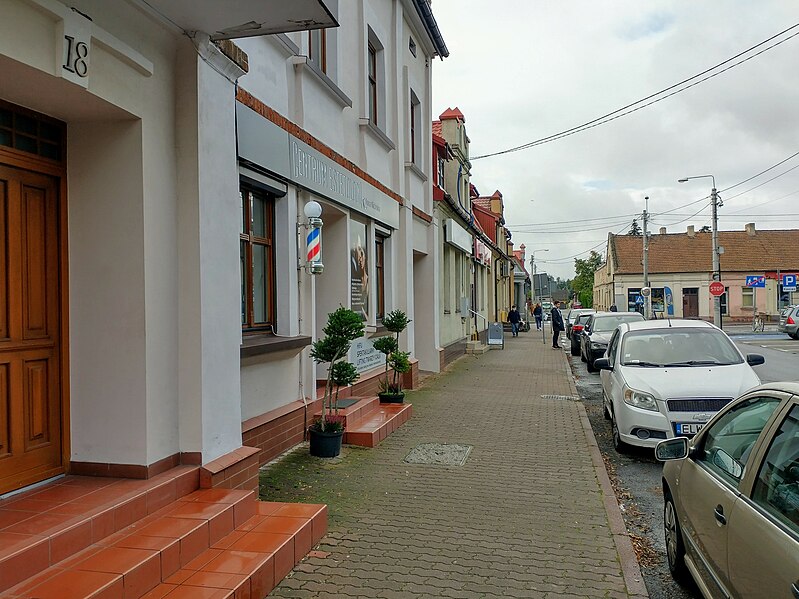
(688, 429)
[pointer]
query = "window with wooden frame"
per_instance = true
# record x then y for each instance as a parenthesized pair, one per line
(257, 255)
(372, 73)
(317, 48)
(380, 275)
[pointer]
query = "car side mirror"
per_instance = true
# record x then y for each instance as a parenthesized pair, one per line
(602, 364)
(755, 359)
(672, 449)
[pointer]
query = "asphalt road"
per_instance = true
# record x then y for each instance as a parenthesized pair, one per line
(781, 353)
(636, 479)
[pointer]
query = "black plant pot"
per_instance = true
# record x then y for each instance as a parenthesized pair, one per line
(388, 397)
(325, 444)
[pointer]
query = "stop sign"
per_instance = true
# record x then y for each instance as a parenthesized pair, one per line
(717, 288)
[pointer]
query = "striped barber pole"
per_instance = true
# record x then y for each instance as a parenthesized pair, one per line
(313, 243)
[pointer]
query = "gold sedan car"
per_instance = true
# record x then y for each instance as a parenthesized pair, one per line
(731, 498)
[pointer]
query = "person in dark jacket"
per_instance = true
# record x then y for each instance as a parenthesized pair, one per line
(557, 325)
(514, 318)
(613, 308)
(538, 312)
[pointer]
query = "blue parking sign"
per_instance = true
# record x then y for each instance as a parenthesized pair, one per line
(755, 281)
(789, 282)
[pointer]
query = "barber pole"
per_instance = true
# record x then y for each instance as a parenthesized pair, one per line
(313, 243)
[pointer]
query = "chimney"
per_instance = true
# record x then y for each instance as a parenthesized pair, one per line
(662, 230)
(522, 247)
(691, 232)
(750, 229)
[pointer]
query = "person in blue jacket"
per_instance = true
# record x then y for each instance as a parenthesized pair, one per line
(514, 318)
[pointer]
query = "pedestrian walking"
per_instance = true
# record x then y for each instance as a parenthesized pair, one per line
(538, 312)
(514, 318)
(613, 308)
(557, 324)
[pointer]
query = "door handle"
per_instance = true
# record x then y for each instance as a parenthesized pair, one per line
(719, 513)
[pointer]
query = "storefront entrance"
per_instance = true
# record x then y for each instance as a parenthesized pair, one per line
(31, 398)
(690, 302)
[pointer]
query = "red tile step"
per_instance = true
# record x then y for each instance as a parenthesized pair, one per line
(45, 525)
(212, 543)
(367, 422)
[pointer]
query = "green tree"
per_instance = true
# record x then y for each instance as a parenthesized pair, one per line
(583, 282)
(635, 229)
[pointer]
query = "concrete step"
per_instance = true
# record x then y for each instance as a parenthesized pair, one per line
(367, 422)
(212, 543)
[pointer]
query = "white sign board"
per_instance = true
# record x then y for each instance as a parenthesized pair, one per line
(364, 356)
(496, 336)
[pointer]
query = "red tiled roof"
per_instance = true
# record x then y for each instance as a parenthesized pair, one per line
(676, 253)
(437, 128)
(482, 202)
(452, 113)
(439, 141)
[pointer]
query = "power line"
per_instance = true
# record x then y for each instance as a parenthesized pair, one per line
(623, 111)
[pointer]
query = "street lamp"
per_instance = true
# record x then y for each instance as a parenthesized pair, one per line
(532, 266)
(715, 202)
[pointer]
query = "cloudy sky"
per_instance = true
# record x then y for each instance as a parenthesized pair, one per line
(522, 70)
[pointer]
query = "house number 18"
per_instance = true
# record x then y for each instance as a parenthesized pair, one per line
(77, 52)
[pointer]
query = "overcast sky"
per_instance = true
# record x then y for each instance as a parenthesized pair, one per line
(522, 70)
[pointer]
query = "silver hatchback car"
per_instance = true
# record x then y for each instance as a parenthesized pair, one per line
(731, 498)
(789, 322)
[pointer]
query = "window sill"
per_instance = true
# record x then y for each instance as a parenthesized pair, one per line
(301, 63)
(414, 168)
(257, 345)
(377, 133)
(375, 330)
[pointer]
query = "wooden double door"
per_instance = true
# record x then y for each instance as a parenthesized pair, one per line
(31, 426)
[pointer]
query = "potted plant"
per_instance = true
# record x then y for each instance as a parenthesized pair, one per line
(390, 391)
(343, 327)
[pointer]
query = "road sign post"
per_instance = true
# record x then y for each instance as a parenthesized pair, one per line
(788, 283)
(717, 288)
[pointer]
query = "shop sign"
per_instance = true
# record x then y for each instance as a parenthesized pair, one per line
(364, 356)
(482, 253)
(268, 146)
(456, 235)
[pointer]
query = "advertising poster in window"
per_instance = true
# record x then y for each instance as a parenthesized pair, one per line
(359, 270)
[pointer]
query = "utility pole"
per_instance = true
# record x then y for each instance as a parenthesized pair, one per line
(647, 299)
(714, 201)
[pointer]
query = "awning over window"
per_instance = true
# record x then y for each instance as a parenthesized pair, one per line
(231, 19)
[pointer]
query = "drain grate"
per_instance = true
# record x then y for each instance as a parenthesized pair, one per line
(441, 454)
(561, 397)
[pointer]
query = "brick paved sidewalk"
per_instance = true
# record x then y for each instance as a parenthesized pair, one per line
(524, 517)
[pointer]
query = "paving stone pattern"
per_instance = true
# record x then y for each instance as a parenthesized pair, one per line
(524, 517)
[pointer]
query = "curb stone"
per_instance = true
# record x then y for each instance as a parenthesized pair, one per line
(631, 571)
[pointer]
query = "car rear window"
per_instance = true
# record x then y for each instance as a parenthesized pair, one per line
(606, 324)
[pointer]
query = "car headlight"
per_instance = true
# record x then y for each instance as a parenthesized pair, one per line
(637, 399)
(601, 346)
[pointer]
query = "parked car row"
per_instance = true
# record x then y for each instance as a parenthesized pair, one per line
(731, 481)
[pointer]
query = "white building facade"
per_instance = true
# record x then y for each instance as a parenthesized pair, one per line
(154, 191)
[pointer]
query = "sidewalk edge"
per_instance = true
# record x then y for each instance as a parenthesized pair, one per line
(631, 571)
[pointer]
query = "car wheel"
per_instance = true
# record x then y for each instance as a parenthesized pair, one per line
(575, 349)
(675, 549)
(619, 445)
(793, 335)
(589, 363)
(582, 355)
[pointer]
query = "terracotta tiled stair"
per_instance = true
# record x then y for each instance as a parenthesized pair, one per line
(209, 544)
(368, 422)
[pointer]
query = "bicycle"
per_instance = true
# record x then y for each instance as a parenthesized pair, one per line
(757, 324)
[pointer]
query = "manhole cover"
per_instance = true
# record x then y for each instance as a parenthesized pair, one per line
(443, 454)
(561, 397)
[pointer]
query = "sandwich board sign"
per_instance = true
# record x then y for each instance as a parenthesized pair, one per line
(496, 336)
